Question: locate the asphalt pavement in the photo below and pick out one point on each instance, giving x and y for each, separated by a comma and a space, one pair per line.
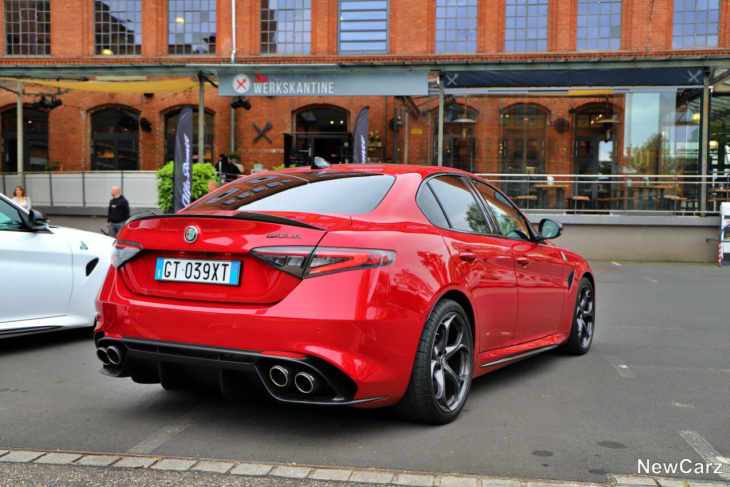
646, 406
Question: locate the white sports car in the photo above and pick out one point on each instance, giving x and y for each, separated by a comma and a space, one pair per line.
49, 276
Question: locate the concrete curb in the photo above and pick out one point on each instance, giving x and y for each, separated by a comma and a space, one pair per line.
343, 475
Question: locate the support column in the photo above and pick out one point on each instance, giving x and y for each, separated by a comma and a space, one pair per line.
20, 132
440, 144
201, 120
704, 136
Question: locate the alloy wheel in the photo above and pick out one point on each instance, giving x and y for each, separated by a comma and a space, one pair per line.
584, 316
451, 362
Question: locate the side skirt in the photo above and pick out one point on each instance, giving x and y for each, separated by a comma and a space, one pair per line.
495, 359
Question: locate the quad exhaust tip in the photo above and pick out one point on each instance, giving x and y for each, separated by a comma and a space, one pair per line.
103, 355
279, 376
306, 383
114, 355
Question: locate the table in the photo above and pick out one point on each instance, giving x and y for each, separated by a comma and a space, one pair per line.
645, 196
551, 195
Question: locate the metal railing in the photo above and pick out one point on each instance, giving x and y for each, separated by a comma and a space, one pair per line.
616, 194
84, 188
569, 193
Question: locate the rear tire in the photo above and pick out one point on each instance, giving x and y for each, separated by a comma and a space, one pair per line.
442, 371
584, 320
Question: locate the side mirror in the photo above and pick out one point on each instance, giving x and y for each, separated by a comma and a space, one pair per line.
37, 220
549, 229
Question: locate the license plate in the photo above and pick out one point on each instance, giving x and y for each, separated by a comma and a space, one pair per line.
227, 272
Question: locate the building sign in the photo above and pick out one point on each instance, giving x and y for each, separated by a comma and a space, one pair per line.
386, 83
684, 76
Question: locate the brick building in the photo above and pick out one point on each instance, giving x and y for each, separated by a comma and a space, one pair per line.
610, 87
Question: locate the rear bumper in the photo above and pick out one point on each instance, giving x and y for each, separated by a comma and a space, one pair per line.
361, 348
150, 361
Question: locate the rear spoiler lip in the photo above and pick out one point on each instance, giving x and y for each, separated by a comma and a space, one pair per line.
249, 216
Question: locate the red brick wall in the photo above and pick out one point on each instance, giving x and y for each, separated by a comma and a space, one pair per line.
646, 31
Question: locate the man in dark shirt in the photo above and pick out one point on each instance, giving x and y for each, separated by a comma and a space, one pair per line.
228, 171
118, 211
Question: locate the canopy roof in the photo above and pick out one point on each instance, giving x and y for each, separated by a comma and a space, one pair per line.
172, 85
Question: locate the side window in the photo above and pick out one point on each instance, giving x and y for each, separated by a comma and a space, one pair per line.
462, 211
430, 207
9, 217
511, 222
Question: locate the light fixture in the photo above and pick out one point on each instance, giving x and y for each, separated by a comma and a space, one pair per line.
179, 20
612, 120
241, 102
107, 52
714, 144
465, 118
145, 124
44, 102
695, 117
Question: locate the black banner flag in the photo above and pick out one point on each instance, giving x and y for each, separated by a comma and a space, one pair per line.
182, 175
360, 142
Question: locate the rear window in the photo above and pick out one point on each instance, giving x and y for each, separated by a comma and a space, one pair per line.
310, 192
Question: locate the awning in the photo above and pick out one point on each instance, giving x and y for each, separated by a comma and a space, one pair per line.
568, 78
161, 86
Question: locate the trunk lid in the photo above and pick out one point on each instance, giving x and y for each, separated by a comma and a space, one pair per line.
220, 237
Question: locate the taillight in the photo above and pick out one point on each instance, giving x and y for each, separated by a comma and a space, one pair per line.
327, 260
124, 252
310, 261
292, 260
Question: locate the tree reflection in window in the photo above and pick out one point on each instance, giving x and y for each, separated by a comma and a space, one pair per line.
511, 222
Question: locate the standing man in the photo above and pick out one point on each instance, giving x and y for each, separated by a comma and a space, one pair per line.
118, 211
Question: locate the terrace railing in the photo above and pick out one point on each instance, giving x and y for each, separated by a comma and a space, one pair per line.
558, 193
616, 194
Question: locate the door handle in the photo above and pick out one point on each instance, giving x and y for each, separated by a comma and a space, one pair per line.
467, 255
523, 261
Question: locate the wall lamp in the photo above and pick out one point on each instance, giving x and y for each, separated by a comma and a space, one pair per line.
241, 103
145, 124
47, 104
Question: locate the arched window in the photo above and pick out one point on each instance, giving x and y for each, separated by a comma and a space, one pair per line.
35, 140
523, 129
460, 122
115, 140
319, 132
171, 126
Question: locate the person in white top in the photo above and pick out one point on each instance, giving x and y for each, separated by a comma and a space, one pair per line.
20, 198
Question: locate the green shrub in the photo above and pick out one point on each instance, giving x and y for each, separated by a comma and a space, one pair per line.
282, 166
202, 173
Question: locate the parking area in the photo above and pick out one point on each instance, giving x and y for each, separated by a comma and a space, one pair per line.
653, 390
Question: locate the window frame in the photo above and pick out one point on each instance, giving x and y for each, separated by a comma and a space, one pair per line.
117, 48
340, 21
44, 35
526, 29
174, 48
682, 38
465, 31
609, 38
265, 47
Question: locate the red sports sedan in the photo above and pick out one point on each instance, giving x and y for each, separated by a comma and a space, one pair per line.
364, 285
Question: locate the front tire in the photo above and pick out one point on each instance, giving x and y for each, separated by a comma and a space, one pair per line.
584, 320
442, 371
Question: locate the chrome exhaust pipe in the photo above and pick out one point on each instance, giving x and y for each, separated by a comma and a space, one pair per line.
306, 383
279, 376
114, 355
102, 355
